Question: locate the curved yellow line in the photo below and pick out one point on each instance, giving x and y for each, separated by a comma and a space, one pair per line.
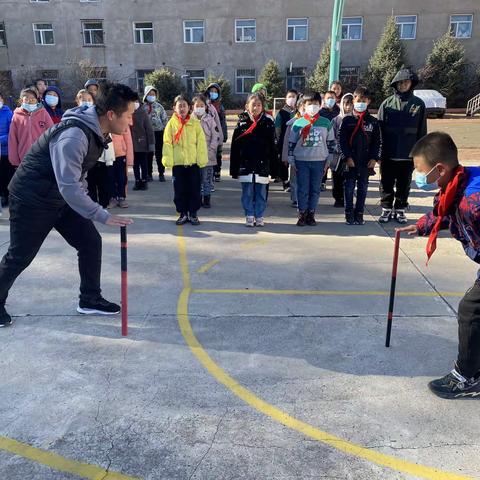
275, 413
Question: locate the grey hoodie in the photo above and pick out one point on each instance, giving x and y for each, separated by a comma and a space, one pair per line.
67, 151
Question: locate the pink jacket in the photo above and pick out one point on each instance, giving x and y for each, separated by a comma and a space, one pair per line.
24, 131
123, 146
213, 136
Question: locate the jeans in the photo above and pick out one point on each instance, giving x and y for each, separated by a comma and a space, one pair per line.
158, 155
206, 174
140, 166
361, 183
309, 179
395, 181
186, 186
28, 229
118, 178
254, 199
98, 184
468, 362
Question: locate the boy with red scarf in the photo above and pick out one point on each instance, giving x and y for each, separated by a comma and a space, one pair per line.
311, 140
457, 208
360, 146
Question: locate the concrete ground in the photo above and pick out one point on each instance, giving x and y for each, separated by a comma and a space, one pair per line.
252, 353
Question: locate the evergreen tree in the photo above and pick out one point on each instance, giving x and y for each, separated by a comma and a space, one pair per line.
387, 59
318, 80
167, 83
271, 77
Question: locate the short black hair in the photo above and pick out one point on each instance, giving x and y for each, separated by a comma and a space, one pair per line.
436, 147
201, 97
362, 91
256, 96
312, 96
292, 90
331, 92
181, 98
115, 97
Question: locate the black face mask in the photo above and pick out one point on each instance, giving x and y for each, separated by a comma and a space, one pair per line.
405, 95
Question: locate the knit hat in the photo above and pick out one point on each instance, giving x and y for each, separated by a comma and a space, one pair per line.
258, 86
91, 81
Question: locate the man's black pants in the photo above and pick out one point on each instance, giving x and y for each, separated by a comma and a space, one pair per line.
28, 229
395, 181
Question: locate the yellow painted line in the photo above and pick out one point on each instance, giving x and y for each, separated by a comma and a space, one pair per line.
275, 413
323, 292
57, 462
205, 268
253, 243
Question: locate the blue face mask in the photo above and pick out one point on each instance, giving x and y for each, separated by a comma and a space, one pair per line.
360, 107
213, 96
421, 179
29, 107
86, 104
330, 102
51, 100
151, 98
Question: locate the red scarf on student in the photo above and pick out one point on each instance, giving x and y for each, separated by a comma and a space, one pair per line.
183, 122
311, 120
358, 126
252, 127
445, 203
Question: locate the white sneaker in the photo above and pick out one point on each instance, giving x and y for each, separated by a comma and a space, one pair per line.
249, 221
385, 216
260, 222
400, 216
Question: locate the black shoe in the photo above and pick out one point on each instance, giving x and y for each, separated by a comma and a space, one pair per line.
161, 178
137, 185
182, 219
349, 219
194, 220
149, 178
339, 204
359, 219
217, 178
143, 185
100, 306
286, 186
310, 219
5, 318
455, 386
302, 217
206, 201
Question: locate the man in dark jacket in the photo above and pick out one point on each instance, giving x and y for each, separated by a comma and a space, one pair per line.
48, 192
456, 208
403, 121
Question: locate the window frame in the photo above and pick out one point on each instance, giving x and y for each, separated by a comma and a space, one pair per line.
242, 28
407, 23
189, 79
243, 77
295, 27
85, 44
191, 29
458, 22
349, 25
290, 78
42, 35
4, 30
142, 30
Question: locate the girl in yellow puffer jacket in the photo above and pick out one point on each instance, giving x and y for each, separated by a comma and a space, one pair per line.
185, 151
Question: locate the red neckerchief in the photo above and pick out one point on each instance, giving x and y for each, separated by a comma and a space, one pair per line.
311, 120
445, 202
252, 127
150, 106
183, 122
358, 126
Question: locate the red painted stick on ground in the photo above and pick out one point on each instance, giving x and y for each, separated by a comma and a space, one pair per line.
123, 250
392, 287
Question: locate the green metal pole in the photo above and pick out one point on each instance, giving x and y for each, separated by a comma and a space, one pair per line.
336, 39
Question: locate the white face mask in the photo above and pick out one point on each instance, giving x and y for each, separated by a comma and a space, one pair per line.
137, 105
199, 111
51, 100
330, 102
86, 104
312, 110
360, 107
29, 107
291, 102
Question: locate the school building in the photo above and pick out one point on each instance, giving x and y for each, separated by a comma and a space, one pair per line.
122, 40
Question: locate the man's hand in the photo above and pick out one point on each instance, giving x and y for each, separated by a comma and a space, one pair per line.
116, 221
372, 164
350, 162
410, 230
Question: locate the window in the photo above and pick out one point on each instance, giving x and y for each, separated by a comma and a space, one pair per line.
195, 77
350, 77
3, 37
99, 73
93, 32
89, 1
407, 26
245, 80
141, 74
193, 31
297, 29
296, 78
143, 32
50, 76
352, 28
461, 26
39, 1
245, 31
43, 33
